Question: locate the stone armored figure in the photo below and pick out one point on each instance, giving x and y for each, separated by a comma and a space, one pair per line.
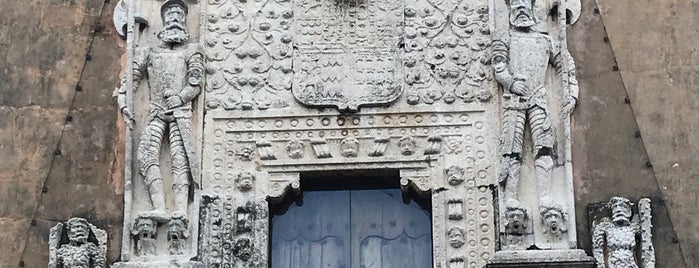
175, 73
521, 69
619, 236
78, 252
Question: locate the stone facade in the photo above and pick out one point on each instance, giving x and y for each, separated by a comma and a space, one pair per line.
305, 148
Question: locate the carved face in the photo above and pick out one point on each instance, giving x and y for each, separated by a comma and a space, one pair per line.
244, 181
349, 147
455, 175
294, 149
621, 210
174, 25
456, 237
553, 220
521, 13
406, 145
177, 228
516, 220
78, 230
146, 228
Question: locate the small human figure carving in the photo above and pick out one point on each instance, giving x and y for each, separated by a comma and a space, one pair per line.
521, 69
175, 72
79, 252
614, 243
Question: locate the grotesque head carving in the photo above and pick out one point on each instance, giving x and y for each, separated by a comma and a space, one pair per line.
174, 15
455, 175
349, 147
515, 218
244, 181
621, 210
294, 148
78, 230
456, 237
406, 145
553, 218
145, 228
521, 13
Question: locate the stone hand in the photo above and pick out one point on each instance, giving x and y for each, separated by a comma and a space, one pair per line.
568, 105
519, 88
174, 102
128, 117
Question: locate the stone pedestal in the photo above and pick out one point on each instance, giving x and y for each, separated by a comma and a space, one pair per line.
575, 258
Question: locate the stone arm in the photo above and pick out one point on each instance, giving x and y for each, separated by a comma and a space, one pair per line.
599, 238
195, 76
98, 260
563, 63
140, 62
509, 82
647, 249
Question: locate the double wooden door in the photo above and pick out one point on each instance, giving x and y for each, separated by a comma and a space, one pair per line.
352, 229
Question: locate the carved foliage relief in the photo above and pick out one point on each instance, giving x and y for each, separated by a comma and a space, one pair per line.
447, 51
345, 53
248, 47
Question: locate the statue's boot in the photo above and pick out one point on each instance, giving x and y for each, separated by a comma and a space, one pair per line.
544, 170
181, 192
154, 183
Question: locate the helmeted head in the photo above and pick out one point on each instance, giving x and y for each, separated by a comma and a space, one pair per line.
621, 210
78, 230
521, 13
174, 15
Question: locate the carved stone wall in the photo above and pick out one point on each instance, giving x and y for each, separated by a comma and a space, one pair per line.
44, 55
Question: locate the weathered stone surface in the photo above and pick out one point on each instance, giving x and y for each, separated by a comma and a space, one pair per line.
13, 240
660, 76
608, 159
42, 54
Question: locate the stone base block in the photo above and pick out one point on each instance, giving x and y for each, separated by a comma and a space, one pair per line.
159, 264
574, 258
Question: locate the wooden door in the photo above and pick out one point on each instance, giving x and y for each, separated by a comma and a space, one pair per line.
352, 229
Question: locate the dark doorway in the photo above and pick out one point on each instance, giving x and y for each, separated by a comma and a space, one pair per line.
360, 222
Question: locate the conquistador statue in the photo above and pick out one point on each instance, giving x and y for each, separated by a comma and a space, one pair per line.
174, 70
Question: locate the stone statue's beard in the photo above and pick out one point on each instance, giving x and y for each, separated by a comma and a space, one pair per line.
174, 34
521, 18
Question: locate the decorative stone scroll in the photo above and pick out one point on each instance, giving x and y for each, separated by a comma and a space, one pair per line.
77, 243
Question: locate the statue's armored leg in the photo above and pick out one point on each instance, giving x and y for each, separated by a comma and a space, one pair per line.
542, 137
512, 140
180, 169
552, 214
148, 157
511, 160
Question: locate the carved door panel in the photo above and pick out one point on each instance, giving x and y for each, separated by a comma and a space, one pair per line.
352, 229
